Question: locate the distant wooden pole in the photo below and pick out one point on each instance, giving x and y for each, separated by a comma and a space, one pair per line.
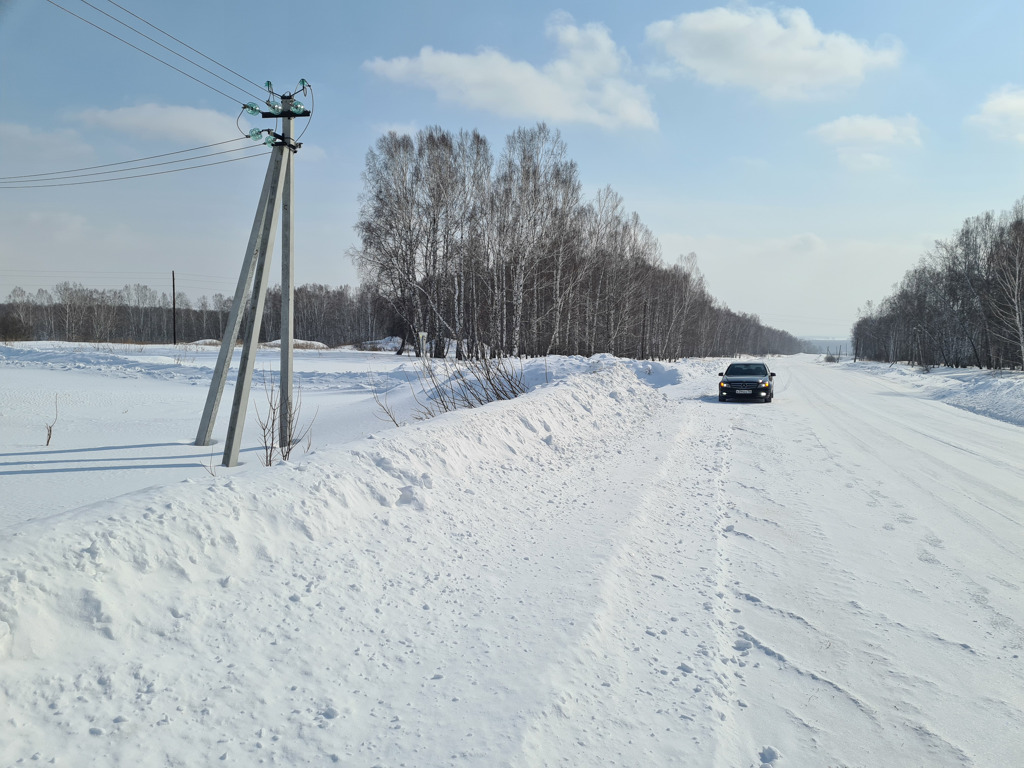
174, 309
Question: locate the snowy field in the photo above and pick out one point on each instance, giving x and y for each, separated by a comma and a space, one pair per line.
612, 570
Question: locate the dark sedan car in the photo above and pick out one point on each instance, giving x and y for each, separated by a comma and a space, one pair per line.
747, 380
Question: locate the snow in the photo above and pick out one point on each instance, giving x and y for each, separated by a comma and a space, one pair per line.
612, 569
999, 394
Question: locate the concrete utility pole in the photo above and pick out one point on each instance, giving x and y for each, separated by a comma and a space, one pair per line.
276, 198
285, 416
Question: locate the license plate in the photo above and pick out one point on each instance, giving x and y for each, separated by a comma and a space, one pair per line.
744, 391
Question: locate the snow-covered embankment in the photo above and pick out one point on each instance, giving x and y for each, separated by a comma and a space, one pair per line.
372, 601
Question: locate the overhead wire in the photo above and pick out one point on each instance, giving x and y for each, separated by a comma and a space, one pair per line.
147, 53
52, 177
312, 102
271, 93
123, 162
38, 185
239, 118
40, 180
180, 42
169, 50
133, 274
116, 282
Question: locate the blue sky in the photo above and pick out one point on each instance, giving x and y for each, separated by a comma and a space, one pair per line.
809, 154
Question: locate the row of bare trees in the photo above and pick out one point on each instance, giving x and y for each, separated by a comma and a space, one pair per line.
502, 257
139, 315
136, 313
962, 305
506, 257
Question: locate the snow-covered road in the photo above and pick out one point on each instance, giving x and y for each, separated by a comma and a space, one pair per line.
598, 573
877, 546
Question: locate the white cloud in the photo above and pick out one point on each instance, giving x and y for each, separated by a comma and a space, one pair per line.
40, 152
584, 85
1002, 114
58, 227
862, 160
869, 129
860, 140
780, 55
154, 121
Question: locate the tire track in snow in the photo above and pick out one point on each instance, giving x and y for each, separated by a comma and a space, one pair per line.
737, 658
643, 658
851, 606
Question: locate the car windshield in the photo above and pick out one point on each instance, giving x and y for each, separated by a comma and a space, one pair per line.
746, 369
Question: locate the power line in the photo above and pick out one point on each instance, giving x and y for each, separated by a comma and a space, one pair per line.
102, 272
108, 279
117, 284
36, 185
169, 50
147, 53
123, 162
4, 184
222, 66
312, 104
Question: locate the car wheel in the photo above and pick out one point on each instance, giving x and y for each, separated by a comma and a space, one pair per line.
721, 398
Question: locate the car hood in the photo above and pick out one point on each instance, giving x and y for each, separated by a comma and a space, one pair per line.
744, 379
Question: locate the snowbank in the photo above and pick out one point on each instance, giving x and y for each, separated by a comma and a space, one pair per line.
323, 610
996, 394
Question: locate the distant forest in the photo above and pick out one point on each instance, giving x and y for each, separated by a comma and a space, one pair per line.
139, 315
486, 257
962, 305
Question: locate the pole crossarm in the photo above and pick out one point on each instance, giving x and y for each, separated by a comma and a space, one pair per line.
275, 116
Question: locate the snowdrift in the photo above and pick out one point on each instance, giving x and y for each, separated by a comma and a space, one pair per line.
614, 569
996, 394
310, 612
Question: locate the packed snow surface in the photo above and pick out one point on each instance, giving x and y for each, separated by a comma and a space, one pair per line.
613, 569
